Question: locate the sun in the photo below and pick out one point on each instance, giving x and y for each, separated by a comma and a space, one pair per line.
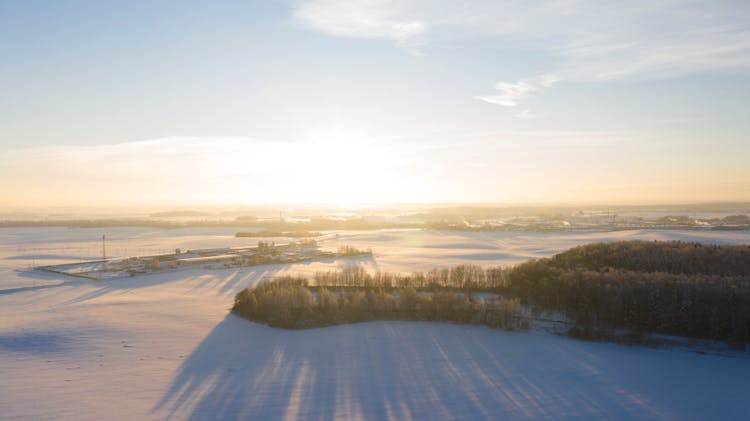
343, 167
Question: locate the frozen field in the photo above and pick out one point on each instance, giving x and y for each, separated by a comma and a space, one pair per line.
164, 345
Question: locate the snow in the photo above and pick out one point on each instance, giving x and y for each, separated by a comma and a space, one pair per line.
165, 346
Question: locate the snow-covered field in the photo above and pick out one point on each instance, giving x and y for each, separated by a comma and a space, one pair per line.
164, 345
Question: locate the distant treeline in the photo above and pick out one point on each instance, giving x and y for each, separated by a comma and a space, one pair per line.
562, 223
290, 302
320, 224
248, 222
352, 251
92, 223
460, 213
268, 233
685, 289
437, 221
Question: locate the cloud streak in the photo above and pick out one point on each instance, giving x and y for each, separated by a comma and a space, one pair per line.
376, 19
203, 168
513, 94
196, 169
587, 39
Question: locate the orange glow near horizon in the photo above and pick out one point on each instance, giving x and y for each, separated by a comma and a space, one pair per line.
335, 167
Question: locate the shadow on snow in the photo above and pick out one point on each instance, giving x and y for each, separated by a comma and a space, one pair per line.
403, 370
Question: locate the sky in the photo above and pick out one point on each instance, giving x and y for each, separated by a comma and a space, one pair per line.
183, 103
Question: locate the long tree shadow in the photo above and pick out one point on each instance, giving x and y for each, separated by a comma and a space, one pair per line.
409, 370
239, 370
41, 280
222, 282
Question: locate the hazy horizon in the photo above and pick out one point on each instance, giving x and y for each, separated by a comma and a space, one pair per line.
373, 103
395, 211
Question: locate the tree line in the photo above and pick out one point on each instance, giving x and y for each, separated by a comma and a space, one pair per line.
290, 302
473, 278
676, 288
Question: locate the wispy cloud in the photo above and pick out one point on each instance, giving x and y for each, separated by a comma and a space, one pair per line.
586, 39
513, 94
195, 169
171, 168
361, 18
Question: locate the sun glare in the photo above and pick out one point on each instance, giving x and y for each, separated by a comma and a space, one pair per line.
341, 167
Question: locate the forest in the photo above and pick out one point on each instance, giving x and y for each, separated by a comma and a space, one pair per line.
675, 288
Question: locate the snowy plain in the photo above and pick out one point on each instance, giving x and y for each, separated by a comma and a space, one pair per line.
165, 346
